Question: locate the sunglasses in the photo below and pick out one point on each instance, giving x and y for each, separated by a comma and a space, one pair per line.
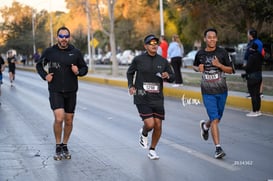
153, 43
63, 36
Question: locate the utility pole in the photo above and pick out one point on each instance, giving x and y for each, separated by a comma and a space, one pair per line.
161, 17
51, 26
33, 32
91, 67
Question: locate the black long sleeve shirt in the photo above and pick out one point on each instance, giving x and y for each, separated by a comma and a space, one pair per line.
59, 63
147, 81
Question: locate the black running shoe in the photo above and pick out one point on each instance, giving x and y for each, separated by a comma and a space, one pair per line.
66, 153
204, 133
219, 153
58, 155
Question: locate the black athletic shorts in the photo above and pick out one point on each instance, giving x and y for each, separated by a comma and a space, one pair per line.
66, 100
147, 111
12, 70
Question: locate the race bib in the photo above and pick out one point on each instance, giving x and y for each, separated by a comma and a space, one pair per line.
211, 77
151, 87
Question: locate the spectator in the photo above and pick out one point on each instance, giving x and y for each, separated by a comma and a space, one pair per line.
164, 46
36, 57
254, 79
175, 53
252, 36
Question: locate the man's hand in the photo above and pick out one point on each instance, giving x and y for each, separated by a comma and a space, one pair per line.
132, 90
165, 75
49, 77
201, 68
215, 62
75, 69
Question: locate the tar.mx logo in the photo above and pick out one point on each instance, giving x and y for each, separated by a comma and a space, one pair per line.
189, 101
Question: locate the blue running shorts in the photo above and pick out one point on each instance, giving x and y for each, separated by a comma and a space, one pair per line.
215, 105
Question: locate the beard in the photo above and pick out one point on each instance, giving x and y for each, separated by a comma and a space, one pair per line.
63, 44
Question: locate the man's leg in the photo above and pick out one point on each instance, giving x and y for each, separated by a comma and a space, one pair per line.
156, 125
219, 153
10, 77
58, 124
215, 132
58, 127
156, 132
68, 126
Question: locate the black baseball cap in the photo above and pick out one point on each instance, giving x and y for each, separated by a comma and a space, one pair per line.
148, 38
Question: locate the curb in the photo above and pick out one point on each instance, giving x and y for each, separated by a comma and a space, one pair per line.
232, 101
190, 95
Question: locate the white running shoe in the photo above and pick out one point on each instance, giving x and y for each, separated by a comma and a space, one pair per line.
143, 140
152, 155
254, 114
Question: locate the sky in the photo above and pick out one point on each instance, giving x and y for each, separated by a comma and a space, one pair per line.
49, 5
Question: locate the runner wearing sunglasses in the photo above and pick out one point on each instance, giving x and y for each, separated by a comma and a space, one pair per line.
65, 64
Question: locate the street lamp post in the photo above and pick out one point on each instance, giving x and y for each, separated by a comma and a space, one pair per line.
161, 17
33, 32
51, 24
91, 67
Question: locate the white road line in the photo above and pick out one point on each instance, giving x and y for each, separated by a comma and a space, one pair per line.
200, 155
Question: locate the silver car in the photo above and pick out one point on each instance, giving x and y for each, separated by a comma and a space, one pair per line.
189, 58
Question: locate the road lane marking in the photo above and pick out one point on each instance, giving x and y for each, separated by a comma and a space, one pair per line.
200, 155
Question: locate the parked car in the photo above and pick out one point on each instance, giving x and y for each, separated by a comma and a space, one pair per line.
189, 58
106, 59
96, 58
240, 50
125, 57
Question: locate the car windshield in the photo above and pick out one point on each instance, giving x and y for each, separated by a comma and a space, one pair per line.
192, 53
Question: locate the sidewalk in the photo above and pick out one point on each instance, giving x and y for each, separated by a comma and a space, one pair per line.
187, 93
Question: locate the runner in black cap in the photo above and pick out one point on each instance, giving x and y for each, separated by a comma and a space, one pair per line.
151, 70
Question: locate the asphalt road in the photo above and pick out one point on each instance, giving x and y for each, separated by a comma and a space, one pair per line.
104, 141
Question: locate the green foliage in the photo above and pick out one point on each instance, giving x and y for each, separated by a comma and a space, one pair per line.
80, 39
18, 28
135, 19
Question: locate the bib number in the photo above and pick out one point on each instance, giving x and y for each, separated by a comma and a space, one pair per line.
211, 77
151, 87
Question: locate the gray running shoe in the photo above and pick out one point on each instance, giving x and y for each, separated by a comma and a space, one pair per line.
58, 155
66, 153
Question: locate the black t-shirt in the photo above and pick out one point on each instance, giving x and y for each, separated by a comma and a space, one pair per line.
11, 62
213, 78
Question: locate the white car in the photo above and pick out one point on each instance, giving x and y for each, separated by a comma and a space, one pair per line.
189, 58
126, 57
106, 59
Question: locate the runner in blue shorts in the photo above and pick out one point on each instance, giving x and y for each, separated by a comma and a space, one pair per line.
213, 62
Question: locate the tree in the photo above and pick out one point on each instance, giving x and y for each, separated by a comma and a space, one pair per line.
111, 5
18, 28
232, 18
